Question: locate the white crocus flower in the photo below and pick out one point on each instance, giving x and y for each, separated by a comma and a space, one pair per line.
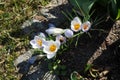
37, 42
76, 24
68, 33
51, 47
61, 38
42, 35
55, 31
86, 26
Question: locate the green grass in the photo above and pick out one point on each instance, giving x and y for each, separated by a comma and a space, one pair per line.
12, 42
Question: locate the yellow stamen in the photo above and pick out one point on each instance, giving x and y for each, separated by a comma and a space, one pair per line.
52, 48
85, 26
39, 42
76, 26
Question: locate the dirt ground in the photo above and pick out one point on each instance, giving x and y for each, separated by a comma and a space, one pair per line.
99, 47
101, 50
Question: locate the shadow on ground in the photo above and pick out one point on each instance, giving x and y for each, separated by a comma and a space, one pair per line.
91, 50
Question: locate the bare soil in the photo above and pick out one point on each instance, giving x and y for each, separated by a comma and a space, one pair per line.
101, 50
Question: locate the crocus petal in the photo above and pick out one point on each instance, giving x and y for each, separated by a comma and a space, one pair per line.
36, 38
49, 31
49, 56
57, 42
35, 46
51, 48
61, 38
37, 42
68, 33
45, 43
33, 43
77, 19
55, 31
47, 46
86, 26
42, 35
76, 24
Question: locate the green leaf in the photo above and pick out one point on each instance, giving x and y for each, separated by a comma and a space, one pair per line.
88, 67
118, 15
118, 7
76, 76
63, 67
50, 66
113, 8
84, 6
103, 3
55, 67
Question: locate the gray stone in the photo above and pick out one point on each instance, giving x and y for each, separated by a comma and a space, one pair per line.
23, 57
32, 28
33, 67
53, 11
39, 73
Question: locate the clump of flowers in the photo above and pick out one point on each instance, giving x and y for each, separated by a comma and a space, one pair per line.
50, 46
